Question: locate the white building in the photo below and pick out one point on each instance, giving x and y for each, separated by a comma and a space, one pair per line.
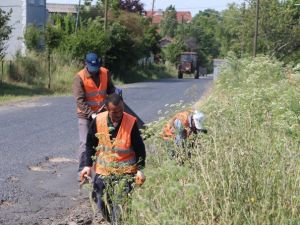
24, 13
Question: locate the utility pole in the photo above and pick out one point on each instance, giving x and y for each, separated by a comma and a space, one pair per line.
105, 25
256, 29
105, 15
77, 16
153, 1
243, 35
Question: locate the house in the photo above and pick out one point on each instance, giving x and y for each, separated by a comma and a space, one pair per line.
24, 13
54, 8
182, 16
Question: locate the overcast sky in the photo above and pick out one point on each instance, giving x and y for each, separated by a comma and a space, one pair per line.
181, 5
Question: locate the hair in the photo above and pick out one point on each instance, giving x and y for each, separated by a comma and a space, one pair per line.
113, 98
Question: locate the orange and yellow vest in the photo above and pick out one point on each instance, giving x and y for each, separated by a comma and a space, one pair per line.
115, 156
169, 130
94, 95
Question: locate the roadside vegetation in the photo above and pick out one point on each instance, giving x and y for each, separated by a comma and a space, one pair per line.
246, 169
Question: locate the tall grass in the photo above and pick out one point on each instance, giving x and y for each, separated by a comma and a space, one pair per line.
33, 69
246, 170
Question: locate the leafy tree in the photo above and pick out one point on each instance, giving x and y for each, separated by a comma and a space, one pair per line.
5, 30
33, 38
121, 54
172, 51
278, 30
88, 38
66, 23
204, 27
128, 38
53, 37
151, 40
168, 25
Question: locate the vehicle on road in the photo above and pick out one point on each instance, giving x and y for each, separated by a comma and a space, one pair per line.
189, 64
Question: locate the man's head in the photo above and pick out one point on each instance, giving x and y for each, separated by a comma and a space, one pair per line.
93, 63
115, 106
197, 120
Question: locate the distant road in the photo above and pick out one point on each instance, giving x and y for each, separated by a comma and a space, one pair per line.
32, 188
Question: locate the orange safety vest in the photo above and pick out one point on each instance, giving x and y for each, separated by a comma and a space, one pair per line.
115, 156
169, 130
94, 95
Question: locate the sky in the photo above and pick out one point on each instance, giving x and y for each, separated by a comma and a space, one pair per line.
181, 5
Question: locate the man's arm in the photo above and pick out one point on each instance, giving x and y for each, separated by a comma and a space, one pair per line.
79, 95
138, 146
91, 143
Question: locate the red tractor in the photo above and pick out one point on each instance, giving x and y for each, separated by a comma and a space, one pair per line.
189, 64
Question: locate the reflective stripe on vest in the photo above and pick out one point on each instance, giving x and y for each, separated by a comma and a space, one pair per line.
115, 156
94, 95
169, 130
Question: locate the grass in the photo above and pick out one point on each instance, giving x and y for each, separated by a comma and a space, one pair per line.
246, 170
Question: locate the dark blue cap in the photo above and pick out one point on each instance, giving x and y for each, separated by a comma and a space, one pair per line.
92, 62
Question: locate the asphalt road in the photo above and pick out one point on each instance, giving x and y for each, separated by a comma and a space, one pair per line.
39, 139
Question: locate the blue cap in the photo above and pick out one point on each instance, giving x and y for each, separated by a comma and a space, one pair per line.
92, 62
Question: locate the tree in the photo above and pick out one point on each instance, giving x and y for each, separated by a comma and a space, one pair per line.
278, 30
168, 25
33, 38
88, 38
172, 51
53, 37
5, 30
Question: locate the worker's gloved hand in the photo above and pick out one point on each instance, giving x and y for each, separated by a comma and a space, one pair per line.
93, 116
119, 91
140, 178
85, 172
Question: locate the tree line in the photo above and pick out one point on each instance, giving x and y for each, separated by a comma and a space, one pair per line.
213, 34
131, 36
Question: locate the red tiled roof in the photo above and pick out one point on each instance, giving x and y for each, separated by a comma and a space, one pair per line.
182, 16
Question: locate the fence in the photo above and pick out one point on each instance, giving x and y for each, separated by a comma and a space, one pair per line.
4, 68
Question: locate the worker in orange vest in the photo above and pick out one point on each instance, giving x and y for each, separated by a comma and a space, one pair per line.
115, 144
91, 85
181, 126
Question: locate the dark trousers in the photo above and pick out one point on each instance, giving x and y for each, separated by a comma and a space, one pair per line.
112, 195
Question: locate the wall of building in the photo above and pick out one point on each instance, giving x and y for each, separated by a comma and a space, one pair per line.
24, 12
36, 12
17, 21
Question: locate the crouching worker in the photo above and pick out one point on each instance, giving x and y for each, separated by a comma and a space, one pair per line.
115, 144
179, 128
